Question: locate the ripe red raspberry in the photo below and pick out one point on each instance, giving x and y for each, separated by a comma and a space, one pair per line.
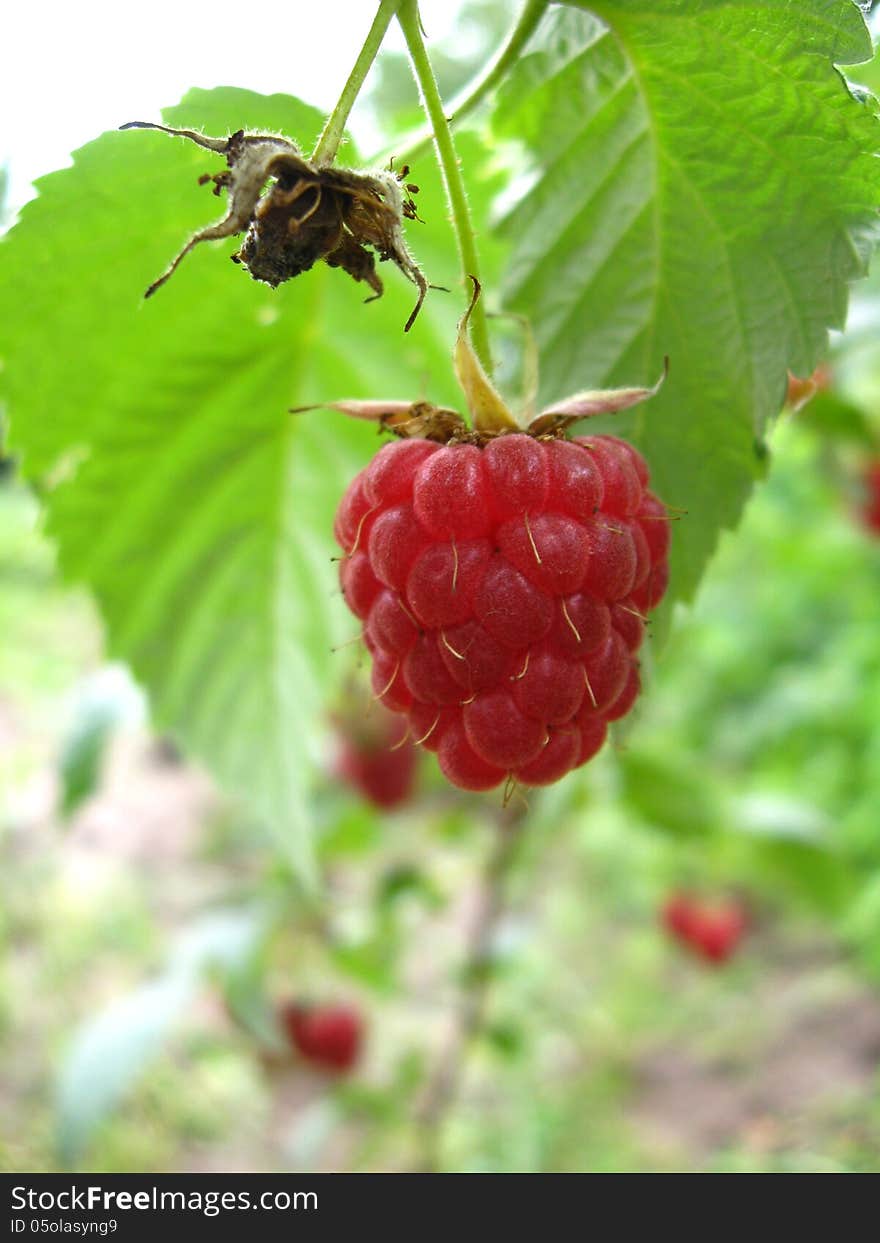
328, 1037
711, 931
376, 756
503, 591
870, 510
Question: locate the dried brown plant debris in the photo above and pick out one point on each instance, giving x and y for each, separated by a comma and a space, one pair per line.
294, 213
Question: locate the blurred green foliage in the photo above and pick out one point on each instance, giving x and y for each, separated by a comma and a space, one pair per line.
750, 769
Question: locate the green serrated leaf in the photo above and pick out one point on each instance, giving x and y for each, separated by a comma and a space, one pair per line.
177, 485
703, 180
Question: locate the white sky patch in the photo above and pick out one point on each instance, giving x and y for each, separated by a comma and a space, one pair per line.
72, 71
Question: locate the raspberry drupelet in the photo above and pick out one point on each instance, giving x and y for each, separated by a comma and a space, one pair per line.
503, 592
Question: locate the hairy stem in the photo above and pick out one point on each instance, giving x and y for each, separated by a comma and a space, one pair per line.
331, 137
475, 92
467, 1021
408, 16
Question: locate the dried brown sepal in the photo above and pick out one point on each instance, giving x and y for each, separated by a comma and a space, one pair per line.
801, 390
408, 419
490, 415
308, 213
561, 414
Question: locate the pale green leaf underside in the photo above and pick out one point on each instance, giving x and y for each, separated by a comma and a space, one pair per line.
179, 489
110, 1051
702, 183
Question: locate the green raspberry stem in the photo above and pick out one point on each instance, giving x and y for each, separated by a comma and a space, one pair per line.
328, 144
408, 16
475, 92
444, 1078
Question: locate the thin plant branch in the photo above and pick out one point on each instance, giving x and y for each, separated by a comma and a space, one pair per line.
408, 17
328, 144
468, 1018
473, 94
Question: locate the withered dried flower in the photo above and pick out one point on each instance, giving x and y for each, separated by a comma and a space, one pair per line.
307, 213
